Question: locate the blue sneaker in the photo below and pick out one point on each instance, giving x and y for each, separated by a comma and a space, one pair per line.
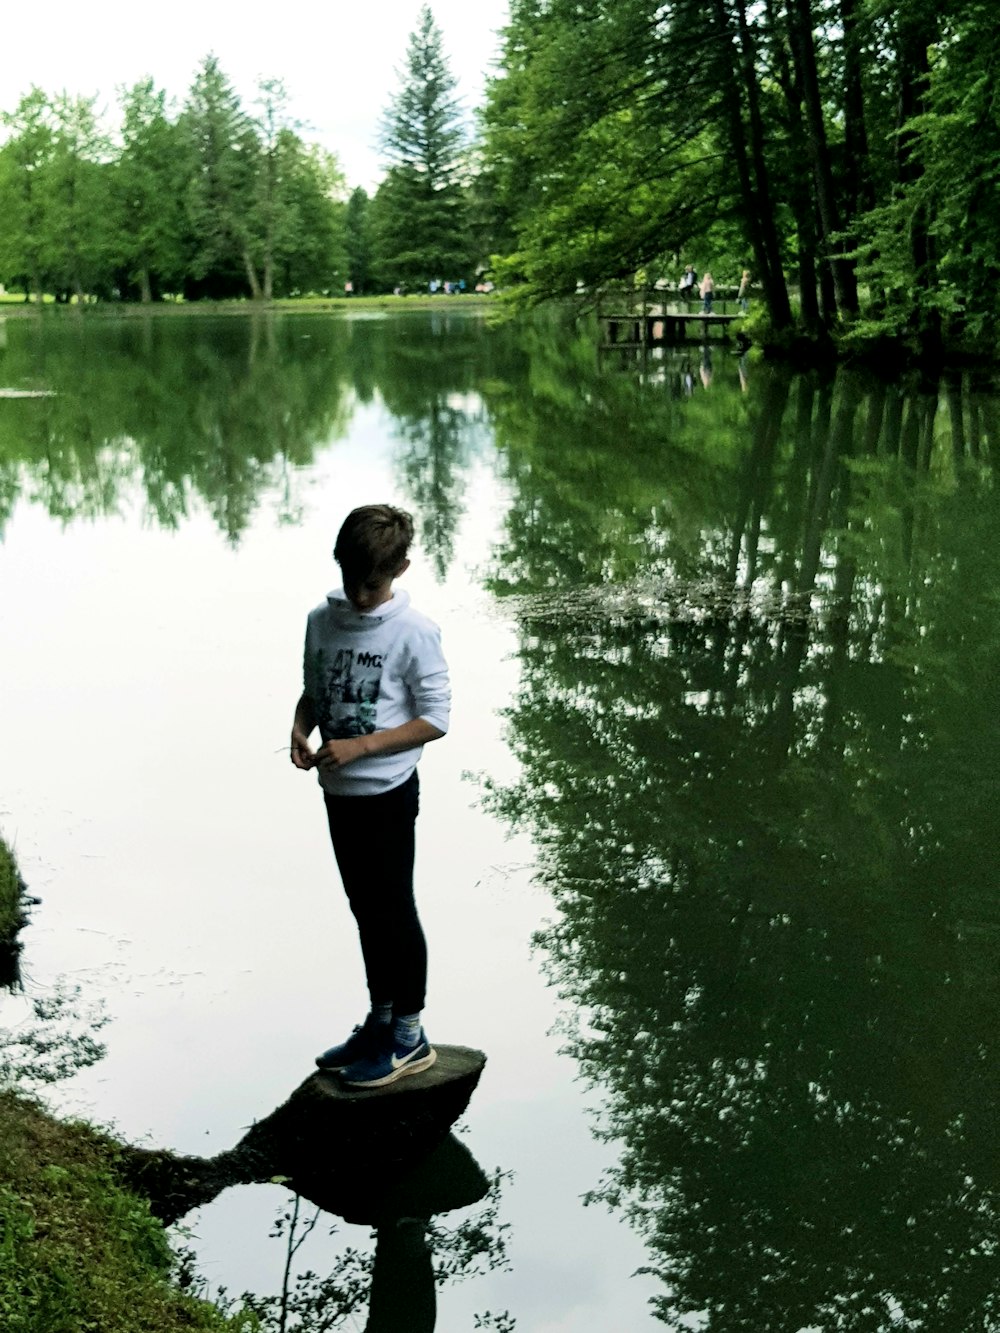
360, 1043
388, 1061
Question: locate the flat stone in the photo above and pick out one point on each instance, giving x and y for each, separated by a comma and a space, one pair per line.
366, 1154
453, 1064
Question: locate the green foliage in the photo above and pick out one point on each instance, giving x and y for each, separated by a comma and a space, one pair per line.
215, 202
76, 1250
312, 1303
358, 240
420, 223
13, 915
602, 160
831, 142
149, 188
55, 1042
756, 752
11, 896
77, 226
931, 252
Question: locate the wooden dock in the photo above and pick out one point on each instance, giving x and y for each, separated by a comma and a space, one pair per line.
654, 318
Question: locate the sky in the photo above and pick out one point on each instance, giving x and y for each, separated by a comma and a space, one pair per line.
338, 59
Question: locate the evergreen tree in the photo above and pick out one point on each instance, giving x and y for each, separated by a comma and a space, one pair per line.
309, 251
24, 160
222, 151
148, 187
421, 217
359, 240
77, 227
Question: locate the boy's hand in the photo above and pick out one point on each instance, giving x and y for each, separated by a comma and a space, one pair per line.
302, 755
335, 754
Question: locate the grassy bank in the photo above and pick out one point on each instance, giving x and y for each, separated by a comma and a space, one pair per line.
16, 307
77, 1250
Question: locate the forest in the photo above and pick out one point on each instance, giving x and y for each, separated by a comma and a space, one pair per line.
846, 152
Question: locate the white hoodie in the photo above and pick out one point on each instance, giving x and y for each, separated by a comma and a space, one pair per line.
367, 671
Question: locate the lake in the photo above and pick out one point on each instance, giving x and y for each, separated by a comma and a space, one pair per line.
707, 864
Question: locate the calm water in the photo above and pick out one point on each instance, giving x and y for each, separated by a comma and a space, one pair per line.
708, 863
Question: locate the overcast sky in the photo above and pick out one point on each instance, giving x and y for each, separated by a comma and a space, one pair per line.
338, 59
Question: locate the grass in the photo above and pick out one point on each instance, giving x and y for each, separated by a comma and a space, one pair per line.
78, 1251
14, 304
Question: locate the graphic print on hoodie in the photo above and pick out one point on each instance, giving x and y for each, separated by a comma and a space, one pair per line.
368, 671
349, 700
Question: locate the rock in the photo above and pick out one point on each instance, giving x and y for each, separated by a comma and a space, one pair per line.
366, 1155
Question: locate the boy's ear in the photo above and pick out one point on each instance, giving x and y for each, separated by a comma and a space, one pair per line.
402, 569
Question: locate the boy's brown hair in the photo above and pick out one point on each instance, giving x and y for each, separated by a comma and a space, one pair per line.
373, 541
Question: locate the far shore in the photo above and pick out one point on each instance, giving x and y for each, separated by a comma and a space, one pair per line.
305, 305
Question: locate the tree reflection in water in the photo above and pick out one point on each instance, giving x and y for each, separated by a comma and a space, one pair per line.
224, 411
757, 724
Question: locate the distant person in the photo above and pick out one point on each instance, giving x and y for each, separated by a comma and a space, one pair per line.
687, 284
707, 290
348, 288
375, 683
743, 295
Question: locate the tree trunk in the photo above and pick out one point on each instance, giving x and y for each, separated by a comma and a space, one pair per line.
801, 198
145, 288
800, 26
916, 35
858, 189
752, 169
252, 279
811, 317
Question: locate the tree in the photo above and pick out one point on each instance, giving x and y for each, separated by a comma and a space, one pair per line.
148, 186
420, 214
222, 163
77, 221
772, 925
358, 240
309, 244
295, 225
620, 130
24, 160
833, 135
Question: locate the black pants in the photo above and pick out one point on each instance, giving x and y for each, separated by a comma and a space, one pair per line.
373, 840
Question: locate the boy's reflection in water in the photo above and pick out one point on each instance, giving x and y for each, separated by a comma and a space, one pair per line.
403, 1296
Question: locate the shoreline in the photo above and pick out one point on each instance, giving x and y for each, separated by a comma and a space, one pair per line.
473, 301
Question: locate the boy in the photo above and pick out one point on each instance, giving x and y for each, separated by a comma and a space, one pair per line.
376, 685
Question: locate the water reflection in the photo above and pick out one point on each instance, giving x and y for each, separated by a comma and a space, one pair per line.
756, 720
757, 729
414, 1250
387, 1160
225, 410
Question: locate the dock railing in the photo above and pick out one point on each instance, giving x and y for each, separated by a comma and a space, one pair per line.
643, 316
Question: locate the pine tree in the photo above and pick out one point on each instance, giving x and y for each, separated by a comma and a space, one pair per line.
223, 153
149, 192
420, 217
358, 240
